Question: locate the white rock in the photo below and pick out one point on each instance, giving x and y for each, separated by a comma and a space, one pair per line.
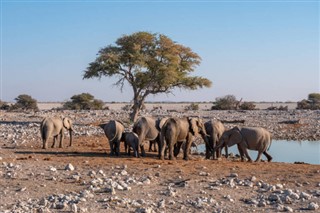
69, 167
313, 206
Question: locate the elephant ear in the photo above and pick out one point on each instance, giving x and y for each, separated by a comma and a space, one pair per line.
193, 126
67, 123
235, 137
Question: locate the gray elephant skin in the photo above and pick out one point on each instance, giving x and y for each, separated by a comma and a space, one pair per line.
148, 129
253, 138
54, 127
214, 130
131, 139
177, 130
113, 131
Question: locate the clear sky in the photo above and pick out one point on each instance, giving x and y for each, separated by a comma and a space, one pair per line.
255, 50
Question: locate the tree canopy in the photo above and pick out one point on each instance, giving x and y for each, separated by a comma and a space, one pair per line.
25, 102
150, 64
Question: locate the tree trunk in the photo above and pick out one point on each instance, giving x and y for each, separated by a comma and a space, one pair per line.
134, 113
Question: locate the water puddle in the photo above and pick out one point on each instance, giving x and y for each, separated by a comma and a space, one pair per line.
286, 151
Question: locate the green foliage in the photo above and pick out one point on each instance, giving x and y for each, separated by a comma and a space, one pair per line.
150, 64
25, 102
84, 101
228, 102
312, 103
248, 106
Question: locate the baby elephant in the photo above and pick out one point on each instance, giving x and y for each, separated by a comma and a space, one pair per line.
53, 127
131, 139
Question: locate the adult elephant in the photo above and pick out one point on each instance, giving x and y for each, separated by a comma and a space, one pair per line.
214, 130
148, 129
253, 138
177, 130
113, 131
54, 127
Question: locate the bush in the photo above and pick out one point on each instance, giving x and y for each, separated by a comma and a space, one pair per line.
312, 103
84, 101
25, 102
248, 106
192, 106
227, 102
4, 105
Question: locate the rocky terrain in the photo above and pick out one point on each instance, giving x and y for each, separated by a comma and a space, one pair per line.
84, 178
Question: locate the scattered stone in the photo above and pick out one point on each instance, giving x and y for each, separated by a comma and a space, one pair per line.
69, 167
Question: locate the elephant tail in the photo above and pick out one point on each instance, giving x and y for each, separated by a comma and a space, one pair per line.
44, 133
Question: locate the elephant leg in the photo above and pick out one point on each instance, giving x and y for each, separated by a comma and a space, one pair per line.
177, 148
143, 152
111, 148
150, 146
226, 150
259, 156
187, 148
268, 156
163, 148
117, 147
245, 151
208, 153
171, 154
61, 138
241, 153
54, 141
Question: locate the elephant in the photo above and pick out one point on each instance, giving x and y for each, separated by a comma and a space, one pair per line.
253, 138
131, 139
148, 129
214, 129
177, 130
54, 127
113, 131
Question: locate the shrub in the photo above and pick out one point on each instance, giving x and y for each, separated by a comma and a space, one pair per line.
248, 106
313, 102
192, 106
227, 102
25, 102
84, 101
4, 105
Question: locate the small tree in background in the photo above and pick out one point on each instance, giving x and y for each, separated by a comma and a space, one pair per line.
227, 102
192, 106
84, 101
25, 102
313, 102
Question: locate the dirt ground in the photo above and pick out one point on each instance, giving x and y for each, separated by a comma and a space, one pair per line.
31, 175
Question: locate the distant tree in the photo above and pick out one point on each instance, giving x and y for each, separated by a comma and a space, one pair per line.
25, 102
313, 102
150, 64
83, 101
227, 102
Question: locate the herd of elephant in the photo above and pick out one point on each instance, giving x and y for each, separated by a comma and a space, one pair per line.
169, 134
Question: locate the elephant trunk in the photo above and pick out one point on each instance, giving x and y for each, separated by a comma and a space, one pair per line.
205, 137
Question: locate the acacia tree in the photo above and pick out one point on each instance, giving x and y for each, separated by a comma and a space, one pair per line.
150, 64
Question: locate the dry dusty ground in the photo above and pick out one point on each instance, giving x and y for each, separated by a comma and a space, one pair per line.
84, 178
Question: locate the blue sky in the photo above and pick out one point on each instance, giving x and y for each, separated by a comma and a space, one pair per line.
255, 50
